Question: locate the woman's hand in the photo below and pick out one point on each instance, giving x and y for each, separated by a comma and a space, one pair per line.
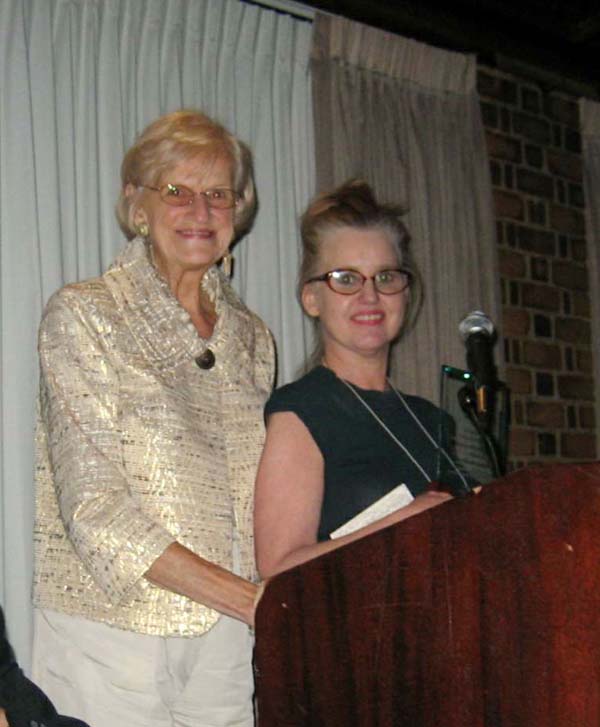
180, 570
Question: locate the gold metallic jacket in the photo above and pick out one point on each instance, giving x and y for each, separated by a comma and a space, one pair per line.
138, 447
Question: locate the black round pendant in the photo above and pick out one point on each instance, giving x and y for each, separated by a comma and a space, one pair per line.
206, 360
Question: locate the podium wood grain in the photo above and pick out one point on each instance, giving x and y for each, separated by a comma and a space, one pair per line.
483, 612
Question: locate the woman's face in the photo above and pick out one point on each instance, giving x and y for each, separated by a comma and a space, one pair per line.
194, 237
366, 322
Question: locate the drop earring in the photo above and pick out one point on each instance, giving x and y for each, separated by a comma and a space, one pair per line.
227, 264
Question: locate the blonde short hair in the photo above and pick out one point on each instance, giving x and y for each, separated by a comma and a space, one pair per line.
174, 138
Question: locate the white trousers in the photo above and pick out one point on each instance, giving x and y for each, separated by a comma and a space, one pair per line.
115, 678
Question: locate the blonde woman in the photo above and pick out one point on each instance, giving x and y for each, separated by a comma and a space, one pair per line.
153, 380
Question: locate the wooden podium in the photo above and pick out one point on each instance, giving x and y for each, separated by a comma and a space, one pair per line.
482, 612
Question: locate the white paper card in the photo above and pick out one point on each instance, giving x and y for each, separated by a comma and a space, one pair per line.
395, 499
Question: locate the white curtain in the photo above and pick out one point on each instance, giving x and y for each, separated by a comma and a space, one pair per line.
589, 112
78, 80
405, 116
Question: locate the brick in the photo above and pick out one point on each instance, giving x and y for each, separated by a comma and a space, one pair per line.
496, 87
566, 165
507, 204
509, 177
563, 246
547, 414
516, 350
530, 100
546, 444
573, 330
522, 443
534, 156
578, 445
561, 109
543, 297
542, 326
557, 137
536, 212
587, 417
581, 305
511, 264
511, 234
537, 241
518, 380
539, 269
503, 147
517, 412
569, 360
515, 322
566, 220
576, 387
536, 183
579, 250
585, 361
576, 195
532, 128
573, 141
544, 384
496, 174
542, 355
570, 275
489, 114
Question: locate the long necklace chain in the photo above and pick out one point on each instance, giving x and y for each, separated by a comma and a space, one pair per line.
395, 438
428, 435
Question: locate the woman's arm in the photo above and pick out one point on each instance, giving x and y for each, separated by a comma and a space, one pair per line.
289, 495
180, 570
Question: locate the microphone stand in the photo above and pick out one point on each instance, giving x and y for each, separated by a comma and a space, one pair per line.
467, 398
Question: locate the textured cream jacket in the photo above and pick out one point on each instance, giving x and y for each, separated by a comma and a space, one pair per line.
137, 446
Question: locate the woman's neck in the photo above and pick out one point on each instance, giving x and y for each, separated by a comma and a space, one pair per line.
364, 372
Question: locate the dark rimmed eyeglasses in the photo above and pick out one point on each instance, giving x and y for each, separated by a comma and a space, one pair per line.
348, 282
178, 195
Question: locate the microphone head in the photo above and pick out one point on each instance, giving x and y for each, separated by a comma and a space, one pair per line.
476, 322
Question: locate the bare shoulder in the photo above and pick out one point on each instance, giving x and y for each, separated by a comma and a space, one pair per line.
289, 436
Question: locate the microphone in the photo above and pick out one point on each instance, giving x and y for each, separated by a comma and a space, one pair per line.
478, 333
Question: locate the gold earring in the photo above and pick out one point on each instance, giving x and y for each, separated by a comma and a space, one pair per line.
227, 264
142, 229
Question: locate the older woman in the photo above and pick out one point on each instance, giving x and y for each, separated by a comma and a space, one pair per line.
153, 380
343, 436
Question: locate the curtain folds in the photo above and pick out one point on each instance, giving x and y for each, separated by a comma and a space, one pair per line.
405, 116
78, 80
589, 112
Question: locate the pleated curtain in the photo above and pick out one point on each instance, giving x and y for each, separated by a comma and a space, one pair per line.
589, 112
405, 117
78, 80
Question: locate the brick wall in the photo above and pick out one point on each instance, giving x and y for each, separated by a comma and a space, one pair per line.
536, 166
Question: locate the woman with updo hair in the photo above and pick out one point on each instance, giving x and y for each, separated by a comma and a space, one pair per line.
153, 381
343, 436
